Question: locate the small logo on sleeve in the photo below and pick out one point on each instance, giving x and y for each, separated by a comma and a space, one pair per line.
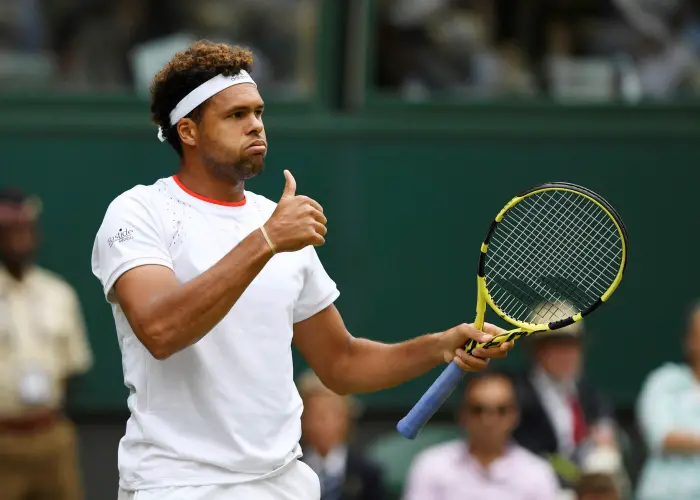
121, 236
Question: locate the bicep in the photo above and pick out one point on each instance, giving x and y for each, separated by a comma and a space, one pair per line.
322, 339
137, 291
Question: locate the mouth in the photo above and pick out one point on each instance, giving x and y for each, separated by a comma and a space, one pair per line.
257, 147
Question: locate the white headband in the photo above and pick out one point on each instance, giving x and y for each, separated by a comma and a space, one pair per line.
206, 90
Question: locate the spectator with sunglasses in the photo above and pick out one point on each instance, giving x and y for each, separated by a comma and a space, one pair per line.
492, 465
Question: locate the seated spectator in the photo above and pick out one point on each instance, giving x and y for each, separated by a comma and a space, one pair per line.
597, 486
487, 465
563, 418
344, 471
669, 418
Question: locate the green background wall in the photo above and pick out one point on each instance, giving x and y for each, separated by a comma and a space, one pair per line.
409, 192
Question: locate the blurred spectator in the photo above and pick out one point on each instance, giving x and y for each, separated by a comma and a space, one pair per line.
563, 417
669, 417
42, 344
344, 471
95, 41
596, 486
571, 49
487, 465
446, 47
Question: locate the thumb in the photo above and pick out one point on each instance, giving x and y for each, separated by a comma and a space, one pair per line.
290, 186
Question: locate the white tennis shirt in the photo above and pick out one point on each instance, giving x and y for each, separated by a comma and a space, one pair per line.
224, 410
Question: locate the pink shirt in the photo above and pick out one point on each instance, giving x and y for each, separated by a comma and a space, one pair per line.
448, 472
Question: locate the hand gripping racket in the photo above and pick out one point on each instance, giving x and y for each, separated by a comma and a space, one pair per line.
553, 255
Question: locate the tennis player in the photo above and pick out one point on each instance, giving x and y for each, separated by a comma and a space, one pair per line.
210, 285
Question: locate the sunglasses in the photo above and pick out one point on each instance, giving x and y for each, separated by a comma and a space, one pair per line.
500, 410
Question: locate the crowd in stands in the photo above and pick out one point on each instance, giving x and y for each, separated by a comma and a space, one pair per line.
565, 49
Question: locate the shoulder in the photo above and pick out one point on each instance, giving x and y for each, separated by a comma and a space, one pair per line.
49, 280
668, 374
526, 457
140, 208
138, 196
439, 455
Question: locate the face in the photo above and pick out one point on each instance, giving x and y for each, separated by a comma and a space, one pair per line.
18, 242
230, 137
489, 412
692, 339
325, 421
561, 358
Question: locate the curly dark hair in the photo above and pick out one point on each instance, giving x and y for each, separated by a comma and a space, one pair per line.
186, 71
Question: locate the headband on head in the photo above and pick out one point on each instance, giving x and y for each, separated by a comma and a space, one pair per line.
206, 90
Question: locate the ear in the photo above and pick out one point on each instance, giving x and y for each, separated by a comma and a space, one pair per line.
188, 131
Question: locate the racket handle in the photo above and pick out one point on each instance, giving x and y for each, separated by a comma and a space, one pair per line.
432, 400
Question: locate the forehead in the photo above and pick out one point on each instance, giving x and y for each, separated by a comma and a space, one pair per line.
558, 343
243, 95
491, 391
14, 217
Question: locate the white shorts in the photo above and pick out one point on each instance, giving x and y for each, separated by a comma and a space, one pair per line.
298, 482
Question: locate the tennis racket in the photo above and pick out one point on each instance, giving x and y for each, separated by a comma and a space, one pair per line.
553, 255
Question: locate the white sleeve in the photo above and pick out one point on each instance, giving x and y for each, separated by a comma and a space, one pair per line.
319, 289
130, 236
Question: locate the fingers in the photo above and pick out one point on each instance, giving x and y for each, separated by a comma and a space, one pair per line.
469, 363
314, 204
290, 186
471, 333
492, 329
319, 216
320, 228
495, 352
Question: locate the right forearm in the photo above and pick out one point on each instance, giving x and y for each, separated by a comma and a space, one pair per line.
183, 316
681, 442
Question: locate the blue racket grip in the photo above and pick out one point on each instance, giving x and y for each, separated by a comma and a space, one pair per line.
432, 400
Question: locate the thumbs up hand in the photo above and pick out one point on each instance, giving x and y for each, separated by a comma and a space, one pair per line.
297, 222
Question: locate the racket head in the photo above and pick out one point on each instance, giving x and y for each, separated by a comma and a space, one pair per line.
552, 255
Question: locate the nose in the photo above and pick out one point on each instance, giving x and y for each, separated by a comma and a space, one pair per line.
256, 125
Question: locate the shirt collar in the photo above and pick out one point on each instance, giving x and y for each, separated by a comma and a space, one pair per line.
498, 471
543, 381
7, 280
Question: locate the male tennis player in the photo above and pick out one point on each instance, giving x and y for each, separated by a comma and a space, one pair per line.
210, 284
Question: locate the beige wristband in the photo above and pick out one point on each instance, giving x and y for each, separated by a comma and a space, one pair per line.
267, 238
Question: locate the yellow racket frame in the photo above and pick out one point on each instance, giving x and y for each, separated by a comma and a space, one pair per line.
525, 329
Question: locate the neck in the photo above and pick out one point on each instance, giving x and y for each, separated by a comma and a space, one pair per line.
559, 380
695, 368
199, 181
16, 270
486, 454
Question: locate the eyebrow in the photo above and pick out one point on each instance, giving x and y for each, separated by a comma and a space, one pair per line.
236, 109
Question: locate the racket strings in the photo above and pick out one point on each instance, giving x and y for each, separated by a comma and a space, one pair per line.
549, 253
554, 253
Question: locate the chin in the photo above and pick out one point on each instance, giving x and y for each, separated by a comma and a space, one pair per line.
254, 167
251, 171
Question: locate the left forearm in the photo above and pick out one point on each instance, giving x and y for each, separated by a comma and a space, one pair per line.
373, 366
